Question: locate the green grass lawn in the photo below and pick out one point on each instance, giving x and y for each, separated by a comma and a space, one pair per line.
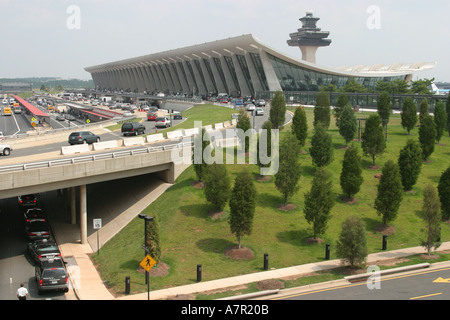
189, 236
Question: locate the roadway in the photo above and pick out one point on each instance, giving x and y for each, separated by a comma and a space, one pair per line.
425, 284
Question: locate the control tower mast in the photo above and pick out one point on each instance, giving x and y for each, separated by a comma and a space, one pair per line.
309, 38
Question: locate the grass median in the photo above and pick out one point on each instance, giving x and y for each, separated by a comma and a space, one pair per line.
190, 235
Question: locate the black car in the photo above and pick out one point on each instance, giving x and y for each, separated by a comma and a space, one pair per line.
37, 230
51, 275
34, 214
44, 250
177, 116
83, 137
133, 128
28, 200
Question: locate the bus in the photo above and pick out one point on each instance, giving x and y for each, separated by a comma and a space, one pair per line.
7, 111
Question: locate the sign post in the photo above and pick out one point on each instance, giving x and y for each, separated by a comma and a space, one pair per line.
98, 226
147, 264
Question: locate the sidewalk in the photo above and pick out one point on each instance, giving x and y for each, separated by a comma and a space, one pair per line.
89, 286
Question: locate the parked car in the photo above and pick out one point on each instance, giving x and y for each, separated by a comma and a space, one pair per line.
250, 107
151, 116
34, 214
43, 250
82, 137
2, 136
177, 116
259, 112
261, 103
28, 200
5, 149
162, 122
60, 117
69, 117
37, 230
51, 275
133, 128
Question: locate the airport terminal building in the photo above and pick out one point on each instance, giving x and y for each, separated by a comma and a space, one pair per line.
242, 66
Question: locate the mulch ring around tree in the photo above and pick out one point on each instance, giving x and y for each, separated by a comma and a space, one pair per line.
214, 215
287, 207
374, 167
235, 253
314, 240
197, 184
348, 200
159, 270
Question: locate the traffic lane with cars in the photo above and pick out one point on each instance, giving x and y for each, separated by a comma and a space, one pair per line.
16, 264
424, 285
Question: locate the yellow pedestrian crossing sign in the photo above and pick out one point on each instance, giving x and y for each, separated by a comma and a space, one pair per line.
148, 263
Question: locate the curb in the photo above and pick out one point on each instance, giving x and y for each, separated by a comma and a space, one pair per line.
252, 295
360, 277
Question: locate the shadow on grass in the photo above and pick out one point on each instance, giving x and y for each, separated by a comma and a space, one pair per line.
294, 237
200, 210
215, 245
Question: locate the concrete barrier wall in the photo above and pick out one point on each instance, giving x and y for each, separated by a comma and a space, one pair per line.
175, 134
155, 137
98, 146
79, 148
218, 126
133, 141
190, 132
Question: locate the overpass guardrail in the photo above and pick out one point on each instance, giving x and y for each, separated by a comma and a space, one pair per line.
92, 157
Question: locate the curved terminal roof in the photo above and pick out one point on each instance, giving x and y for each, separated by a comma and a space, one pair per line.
248, 43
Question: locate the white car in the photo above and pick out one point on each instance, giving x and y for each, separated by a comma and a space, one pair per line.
251, 107
5, 149
259, 112
2, 136
162, 122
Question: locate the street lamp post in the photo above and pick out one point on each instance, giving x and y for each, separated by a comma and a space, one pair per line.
146, 219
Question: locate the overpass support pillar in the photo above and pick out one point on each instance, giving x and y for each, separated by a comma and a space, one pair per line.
73, 206
83, 214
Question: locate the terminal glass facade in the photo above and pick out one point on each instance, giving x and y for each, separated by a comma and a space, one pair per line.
296, 78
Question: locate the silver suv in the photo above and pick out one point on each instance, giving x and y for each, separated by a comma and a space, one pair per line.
162, 122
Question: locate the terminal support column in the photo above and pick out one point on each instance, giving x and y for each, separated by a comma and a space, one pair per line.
73, 206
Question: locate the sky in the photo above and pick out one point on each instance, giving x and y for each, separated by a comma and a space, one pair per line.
59, 38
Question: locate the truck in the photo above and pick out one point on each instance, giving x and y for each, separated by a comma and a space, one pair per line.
5, 149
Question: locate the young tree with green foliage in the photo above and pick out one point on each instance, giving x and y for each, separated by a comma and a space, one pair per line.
242, 205
217, 186
410, 164
427, 136
353, 86
351, 247
424, 110
409, 114
431, 215
341, 102
444, 193
300, 126
267, 135
319, 201
322, 110
351, 174
440, 119
243, 123
348, 125
390, 192
373, 142
321, 150
447, 110
289, 170
201, 142
384, 107
277, 113
421, 86
153, 242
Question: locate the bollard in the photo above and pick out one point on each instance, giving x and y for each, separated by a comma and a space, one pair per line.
127, 285
327, 252
199, 273
266, 261
384, 242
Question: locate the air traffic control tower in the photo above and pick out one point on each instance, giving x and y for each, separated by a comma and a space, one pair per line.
309, 38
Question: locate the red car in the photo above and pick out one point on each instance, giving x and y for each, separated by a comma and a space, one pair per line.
151, 116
